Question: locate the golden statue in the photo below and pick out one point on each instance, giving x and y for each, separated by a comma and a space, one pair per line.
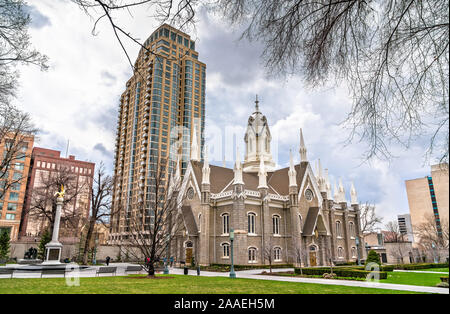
60, 194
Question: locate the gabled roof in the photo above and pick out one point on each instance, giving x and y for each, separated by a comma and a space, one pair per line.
189, 220
311, 221
220, 178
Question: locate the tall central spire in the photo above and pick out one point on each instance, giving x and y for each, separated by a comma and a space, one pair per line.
257, 104
257, 140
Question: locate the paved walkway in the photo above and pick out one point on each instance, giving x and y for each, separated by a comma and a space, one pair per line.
255, 274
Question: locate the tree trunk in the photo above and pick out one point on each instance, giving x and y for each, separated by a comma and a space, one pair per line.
88, 241
151, 270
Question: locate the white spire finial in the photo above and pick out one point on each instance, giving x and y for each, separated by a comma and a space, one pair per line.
238, 169
178, 170
328, 185
321, 180
353, 195
292, 173
303, 149
341, 192
195, 151
256, 104
262, 175
336, 192
206, 170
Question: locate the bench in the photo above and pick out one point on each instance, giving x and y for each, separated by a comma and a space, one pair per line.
7, 271
106, 270
53, 272
133, 269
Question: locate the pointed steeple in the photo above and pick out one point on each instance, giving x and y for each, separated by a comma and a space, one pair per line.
177, 177
328, 185
336, 192
256, 104
195, 150
206, 170
341, 192
353, 195
292, 173
303, 149
238, 169
321, 180
262, 175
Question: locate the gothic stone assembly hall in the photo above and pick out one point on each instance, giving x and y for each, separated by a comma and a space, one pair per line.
288, 213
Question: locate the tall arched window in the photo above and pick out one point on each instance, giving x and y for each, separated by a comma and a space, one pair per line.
351, 229
251, 223
225, 223
226, 250
276, 224
277, 254
353, 251
338, 229
252, 255
340, 252
199, 222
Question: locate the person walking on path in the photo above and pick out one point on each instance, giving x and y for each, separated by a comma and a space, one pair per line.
107, 260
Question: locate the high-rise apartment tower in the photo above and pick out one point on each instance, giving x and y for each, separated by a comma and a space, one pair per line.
164, 103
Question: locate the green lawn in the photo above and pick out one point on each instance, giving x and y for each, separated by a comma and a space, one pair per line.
415, 279
175, 285
441, 270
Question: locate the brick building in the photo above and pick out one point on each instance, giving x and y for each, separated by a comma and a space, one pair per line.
15, 178
45, 164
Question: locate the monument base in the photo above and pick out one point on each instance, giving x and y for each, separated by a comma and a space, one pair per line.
52, 253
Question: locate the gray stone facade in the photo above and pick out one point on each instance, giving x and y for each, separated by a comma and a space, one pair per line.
288, 213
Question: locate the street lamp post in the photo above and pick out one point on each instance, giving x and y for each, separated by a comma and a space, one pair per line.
232, 273
166, 260
357, 251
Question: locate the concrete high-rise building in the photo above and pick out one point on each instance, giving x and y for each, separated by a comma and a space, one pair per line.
428, 197
161, 108
14, 177
405, 227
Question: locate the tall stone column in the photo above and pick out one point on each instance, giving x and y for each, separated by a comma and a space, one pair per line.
54, 247
346, 231
332, 225
204, 226
266, 228
238, 223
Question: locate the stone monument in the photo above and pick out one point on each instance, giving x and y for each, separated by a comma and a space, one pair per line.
54, 247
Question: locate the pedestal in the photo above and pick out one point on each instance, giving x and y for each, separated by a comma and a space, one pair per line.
53, 253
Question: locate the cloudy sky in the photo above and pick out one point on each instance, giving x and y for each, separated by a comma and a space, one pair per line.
76, 100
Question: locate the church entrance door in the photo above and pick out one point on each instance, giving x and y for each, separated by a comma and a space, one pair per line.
188, 256
312, 259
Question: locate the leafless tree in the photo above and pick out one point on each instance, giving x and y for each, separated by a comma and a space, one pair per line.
369, 219
399, 241
100, 210
433, 240
394, 56
300, 256
15, 46
42, 204
16, 132
152, 225
269, 252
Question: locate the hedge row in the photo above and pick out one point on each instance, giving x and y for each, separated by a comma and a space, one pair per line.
340, 272
420, 266
247, 267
